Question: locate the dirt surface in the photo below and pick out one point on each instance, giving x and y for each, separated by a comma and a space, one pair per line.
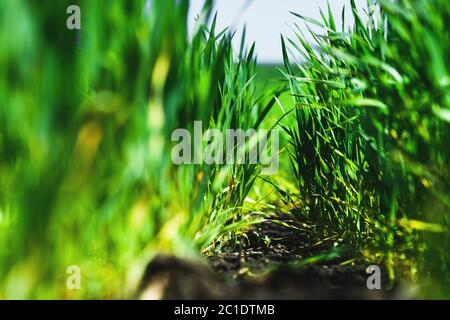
266, 265
265, 246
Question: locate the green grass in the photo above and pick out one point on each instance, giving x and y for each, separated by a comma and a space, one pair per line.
86, 176
85, 159
367, 140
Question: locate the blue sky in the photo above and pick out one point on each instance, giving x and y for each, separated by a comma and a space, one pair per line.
266, 19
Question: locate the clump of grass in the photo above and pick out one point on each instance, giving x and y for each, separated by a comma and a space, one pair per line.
370, 127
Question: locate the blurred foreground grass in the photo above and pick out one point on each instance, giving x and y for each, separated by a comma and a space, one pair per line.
85, 167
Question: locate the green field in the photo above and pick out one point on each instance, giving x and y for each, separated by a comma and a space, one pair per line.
87, 177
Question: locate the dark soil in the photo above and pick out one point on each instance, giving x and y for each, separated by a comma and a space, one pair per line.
266, 245
265, 265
